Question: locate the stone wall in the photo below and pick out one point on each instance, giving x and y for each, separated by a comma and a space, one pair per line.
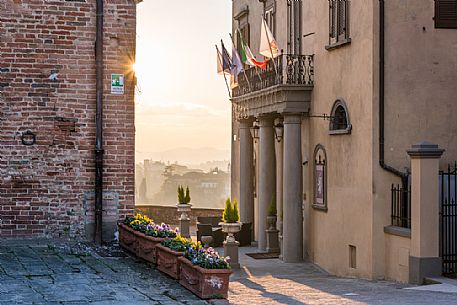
47, 87
170, 214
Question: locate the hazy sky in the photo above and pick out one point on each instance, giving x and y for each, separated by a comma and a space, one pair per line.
183, 101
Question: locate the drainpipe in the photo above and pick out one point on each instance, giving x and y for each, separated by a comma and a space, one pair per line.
402, 175
99, 124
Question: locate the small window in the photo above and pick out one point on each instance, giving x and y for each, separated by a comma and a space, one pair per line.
446, 14
338, 23
320, 178
339, 119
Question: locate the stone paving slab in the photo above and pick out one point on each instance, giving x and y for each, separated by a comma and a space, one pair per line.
38, 273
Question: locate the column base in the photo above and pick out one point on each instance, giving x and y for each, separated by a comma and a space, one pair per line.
422, 267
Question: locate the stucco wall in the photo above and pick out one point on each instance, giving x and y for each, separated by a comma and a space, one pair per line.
342, 73
397, 250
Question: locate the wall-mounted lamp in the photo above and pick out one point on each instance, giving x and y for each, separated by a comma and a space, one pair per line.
28, 138
279, 131
255, 131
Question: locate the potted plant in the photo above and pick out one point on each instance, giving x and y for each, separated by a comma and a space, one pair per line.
169, 251
230, 217
205, 273
184, 207
153, 236
129, 231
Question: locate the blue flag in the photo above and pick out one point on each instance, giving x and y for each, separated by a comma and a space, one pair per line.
226, 61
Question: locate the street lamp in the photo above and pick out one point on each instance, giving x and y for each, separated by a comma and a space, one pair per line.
279, 131
255, 131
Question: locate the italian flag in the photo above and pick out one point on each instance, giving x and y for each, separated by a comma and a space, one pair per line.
248, 58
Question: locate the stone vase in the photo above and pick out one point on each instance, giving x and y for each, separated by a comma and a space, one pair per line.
184, 220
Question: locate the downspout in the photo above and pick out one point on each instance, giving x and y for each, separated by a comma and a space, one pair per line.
403, 176
99, 123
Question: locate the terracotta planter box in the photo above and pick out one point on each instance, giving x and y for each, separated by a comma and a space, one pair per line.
205, 283
128, 239
147, 247
167, 261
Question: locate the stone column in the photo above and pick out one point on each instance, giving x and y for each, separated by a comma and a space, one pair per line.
267, 169
279, 186
424, 260
246, 199
292, 248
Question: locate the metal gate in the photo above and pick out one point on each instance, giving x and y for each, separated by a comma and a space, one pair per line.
448, 219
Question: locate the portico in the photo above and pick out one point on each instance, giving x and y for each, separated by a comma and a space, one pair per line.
279, 173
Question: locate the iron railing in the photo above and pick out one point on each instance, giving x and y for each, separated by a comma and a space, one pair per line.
290, 70
401, 207
448, 219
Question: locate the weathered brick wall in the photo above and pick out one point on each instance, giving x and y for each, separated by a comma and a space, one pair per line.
47, 188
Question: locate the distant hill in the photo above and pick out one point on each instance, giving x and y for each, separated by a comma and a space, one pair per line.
185, 155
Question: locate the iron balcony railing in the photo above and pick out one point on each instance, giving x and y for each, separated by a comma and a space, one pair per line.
290, 70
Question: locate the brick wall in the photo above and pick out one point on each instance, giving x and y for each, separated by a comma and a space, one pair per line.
44, 187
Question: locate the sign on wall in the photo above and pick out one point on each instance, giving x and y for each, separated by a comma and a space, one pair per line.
117, 83
319, 192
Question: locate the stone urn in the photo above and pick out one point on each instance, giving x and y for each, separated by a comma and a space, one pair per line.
230, 229
271, 221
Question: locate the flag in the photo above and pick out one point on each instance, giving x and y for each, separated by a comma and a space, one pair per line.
248, 58
237, 65
220, 69
226, 61
233, 81
268, 45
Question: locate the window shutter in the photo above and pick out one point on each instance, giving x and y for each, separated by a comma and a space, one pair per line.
446, 14
341, 17
332, 18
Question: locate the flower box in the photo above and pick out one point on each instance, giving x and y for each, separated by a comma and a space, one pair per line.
167, 261
147, 247
128, 238
205, 283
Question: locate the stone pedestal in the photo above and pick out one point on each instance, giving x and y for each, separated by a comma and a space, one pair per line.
424, 260
272, 240
267, 169
231, 250
292, 250
184, 220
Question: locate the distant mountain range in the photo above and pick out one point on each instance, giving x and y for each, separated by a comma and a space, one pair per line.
184, 155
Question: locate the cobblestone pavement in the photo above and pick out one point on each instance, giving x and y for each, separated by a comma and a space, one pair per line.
38, 273
46, 274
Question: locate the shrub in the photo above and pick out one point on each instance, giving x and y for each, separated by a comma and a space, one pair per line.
183, 196
231, 213
272, 207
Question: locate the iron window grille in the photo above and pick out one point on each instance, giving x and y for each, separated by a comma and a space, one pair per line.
401, 207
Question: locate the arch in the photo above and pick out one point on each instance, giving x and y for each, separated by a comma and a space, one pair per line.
340, 122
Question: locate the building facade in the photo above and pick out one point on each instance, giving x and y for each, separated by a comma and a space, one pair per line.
48, 116
358, 82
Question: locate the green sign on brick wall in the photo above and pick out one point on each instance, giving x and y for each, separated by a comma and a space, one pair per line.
117, 83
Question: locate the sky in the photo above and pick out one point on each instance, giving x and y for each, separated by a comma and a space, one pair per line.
182, 101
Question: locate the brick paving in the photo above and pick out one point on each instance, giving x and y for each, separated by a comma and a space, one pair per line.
34, 272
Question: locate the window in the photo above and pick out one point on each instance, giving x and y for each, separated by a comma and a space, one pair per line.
320, 178
446, 14
270, 18
338, 23
339, 119
243, 27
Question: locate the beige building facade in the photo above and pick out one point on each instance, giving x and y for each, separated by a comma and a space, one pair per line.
357, 84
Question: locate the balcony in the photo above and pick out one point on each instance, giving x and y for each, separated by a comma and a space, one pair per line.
287, 90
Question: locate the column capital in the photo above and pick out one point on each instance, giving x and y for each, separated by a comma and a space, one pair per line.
266, 120
425, 150
246, 123
292, 118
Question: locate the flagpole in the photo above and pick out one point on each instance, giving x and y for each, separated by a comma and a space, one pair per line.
223, 72
244, 43
244, 72
269, 44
